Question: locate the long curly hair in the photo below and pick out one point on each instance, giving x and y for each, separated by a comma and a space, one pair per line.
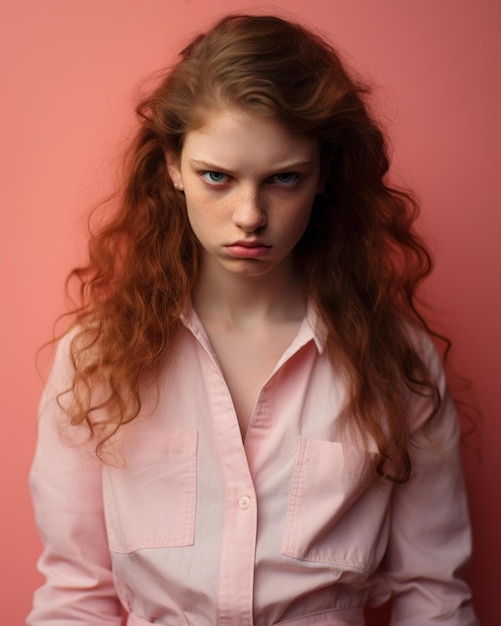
361, 258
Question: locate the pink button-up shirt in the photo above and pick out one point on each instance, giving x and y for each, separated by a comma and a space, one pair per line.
290, 526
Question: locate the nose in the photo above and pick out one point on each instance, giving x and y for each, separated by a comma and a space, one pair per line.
249, 212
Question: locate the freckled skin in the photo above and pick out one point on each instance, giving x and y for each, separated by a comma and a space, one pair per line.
248, 180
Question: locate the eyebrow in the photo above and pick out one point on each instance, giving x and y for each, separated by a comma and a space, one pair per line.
281, 168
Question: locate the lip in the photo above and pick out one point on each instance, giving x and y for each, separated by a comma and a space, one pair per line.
247, 249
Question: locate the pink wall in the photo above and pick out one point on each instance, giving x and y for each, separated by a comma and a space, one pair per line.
68, 76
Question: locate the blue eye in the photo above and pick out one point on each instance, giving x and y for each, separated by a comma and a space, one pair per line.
214, 178
286, 178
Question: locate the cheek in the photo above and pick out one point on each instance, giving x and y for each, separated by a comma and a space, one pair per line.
197, 221
202, 218
302, 216
300, 223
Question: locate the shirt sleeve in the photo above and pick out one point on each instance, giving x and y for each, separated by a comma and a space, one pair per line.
65, 481
430, 540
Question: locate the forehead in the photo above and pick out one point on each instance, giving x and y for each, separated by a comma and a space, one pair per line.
235, 136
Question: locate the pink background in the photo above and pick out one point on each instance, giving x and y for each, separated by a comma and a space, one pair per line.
70, 69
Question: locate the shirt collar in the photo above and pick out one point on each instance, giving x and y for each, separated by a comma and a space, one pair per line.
312, 328
317, 328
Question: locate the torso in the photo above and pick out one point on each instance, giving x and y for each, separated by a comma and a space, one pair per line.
247, 357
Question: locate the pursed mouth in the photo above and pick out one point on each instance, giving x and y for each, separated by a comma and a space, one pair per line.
248, 244
247, 249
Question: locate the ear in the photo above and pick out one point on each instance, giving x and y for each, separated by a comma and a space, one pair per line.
174, 169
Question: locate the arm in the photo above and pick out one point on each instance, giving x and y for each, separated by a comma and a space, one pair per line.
430, 539
65, 481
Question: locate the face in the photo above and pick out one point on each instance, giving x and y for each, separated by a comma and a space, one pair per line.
249, 185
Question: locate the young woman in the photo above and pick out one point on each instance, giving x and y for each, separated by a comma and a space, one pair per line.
247, 423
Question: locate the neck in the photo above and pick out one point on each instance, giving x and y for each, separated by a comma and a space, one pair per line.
247, 300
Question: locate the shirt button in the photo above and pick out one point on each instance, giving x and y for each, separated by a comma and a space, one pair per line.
244, 502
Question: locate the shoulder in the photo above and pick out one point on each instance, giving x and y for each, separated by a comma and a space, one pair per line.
56, 405
425, 348
431, 413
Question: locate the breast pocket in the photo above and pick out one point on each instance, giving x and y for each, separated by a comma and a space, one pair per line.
151, 502
337, 506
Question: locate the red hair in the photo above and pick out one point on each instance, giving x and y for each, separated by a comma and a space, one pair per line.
360, 255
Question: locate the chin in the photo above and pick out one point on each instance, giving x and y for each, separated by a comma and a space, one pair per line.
248, 268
